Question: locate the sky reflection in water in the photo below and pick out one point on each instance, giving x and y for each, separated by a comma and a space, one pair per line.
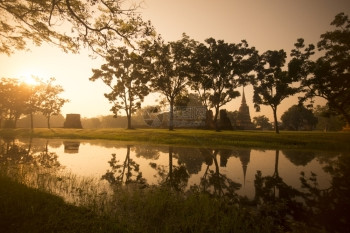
91, 159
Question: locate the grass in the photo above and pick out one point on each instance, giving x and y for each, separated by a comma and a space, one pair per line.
157, 209
200, 138
24, 209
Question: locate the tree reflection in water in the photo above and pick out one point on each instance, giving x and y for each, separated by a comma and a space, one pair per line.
215, 183
276, 199
330, 207
13, 153
320, 208
317, 208
175, 176
127, 172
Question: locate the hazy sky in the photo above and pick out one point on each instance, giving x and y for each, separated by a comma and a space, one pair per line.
265, 24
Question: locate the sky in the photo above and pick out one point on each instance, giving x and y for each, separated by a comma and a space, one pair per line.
265, 24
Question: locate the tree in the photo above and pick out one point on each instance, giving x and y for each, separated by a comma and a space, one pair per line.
328, 119
96, 24
219, 68
14, 96
34, 100
126, 74
298, 117
330, 77
272, 85
51, 103
262, 122
170, 68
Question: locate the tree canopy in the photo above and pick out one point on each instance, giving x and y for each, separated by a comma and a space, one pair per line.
330, 75
298, 117
127, 76
170, 67
69, 24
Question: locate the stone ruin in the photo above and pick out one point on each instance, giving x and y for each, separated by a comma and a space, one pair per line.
73, 121
224, 121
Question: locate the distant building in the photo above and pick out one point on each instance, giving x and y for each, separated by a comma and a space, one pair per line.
243, 118
72, 121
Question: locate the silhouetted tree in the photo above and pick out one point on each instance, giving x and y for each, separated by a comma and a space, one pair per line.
127, 76
13, 102
219, 68
272, 85
51, 102
170, 68
330, 77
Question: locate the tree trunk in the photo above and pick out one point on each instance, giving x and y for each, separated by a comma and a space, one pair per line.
170, 176
216, 123
31, 121
129, 121
275, 118
171, 117
48, 122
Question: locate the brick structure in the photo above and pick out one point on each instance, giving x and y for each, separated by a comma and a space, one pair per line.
243, 118
73, 121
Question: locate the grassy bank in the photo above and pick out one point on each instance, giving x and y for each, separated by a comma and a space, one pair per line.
24, 209
200, 138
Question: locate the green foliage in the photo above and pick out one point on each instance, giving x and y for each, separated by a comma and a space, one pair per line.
328, 120
262, 122
298, 117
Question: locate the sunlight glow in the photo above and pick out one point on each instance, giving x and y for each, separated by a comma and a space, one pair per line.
30, 80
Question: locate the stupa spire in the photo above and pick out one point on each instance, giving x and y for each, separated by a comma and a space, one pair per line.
243, 97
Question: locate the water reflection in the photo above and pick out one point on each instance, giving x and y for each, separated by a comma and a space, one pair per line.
14, 152
123, 172
71, 147
310, 186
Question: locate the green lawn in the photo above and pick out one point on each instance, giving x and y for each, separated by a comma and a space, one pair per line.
200, 138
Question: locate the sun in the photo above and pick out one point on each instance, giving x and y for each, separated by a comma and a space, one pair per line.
30, 80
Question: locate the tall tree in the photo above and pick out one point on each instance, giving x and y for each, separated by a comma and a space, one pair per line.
34, 100
51, 102
330, 77
94, 23
127, 76
170, 68
272, 85
219, 68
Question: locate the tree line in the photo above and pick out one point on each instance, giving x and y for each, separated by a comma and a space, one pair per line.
18, 99
213, 69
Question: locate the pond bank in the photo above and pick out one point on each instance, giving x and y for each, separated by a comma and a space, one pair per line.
199, 138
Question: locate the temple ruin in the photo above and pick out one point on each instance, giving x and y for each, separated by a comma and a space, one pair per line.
72, 121
243, 118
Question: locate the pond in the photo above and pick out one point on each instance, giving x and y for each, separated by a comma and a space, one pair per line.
290, 175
